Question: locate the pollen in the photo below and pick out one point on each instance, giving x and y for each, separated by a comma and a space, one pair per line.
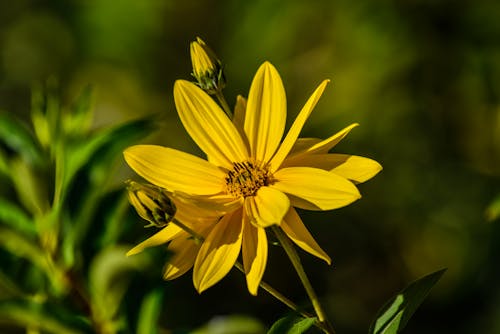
246, 178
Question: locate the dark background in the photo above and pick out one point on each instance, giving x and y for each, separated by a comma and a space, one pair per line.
422, 79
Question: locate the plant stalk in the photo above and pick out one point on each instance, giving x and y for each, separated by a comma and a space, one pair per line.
294, 258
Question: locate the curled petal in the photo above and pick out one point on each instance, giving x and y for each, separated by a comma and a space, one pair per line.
293, 227
185, 250
163, 236
265, 116
322, 146
218, 252
208, 125
322, 189
254, 253
352, 167
175, 170
267, 207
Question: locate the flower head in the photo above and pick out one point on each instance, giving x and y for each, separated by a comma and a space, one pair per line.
151, 203
207, 68
251, 178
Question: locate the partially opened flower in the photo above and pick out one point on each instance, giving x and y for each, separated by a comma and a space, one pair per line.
251, 178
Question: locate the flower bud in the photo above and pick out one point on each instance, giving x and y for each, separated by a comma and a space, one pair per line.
207, 68
151, 203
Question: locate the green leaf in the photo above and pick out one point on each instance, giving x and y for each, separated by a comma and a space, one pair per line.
291, 325
12, 216
39, 118
78, 119
114, 219
109, 276
149, 313
4, 163
102, 149
29, 187
74, 155
231, 324
21, 246
40, 316
395, 314
19, 139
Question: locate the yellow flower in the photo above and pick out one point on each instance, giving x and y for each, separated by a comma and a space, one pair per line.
251, 178
207, 68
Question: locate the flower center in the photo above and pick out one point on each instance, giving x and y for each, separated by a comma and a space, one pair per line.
246, 178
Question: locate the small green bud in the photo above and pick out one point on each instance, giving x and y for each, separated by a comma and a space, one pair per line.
151, 203
207, 68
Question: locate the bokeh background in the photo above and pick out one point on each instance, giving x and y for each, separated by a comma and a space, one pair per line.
421, 77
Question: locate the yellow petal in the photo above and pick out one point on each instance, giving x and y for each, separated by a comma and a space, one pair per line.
208, 125
355, 168
326, 145
293, 227
192, 215
175, 170
239, 115
163, 236
185, 250
254, 253
293, 133
218, 252
267, 207
218, 204
266, 113
322, 189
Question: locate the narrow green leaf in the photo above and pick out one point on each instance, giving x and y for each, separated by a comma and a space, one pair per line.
109, 276
74, 155
395, 314
39, 118
291, 325
78, 119
26, 248
18, 138
114, 219
4, 163
149, 313
231, 324
98, 155
12, 216
53, 320
30, 188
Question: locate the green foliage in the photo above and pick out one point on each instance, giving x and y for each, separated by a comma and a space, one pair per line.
61, 174
292, 325
395, 314
150, 312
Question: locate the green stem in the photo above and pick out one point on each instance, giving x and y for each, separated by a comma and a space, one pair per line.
273, 292
265, 286
222, 100
197, 237
294, 258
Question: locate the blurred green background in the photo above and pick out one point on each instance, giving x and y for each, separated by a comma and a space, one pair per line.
421, 77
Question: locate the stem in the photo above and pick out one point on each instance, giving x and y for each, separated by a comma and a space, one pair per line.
197, 237
265, 286
294, 258
273, 292
222, 100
